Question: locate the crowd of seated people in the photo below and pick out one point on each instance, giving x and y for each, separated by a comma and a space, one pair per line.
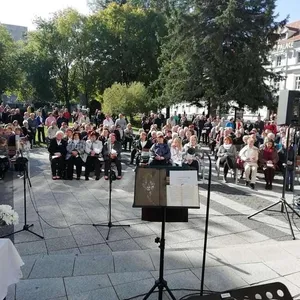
97, 141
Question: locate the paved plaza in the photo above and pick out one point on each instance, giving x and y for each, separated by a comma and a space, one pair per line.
75, 262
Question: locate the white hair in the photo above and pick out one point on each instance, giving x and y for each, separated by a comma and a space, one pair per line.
59, 132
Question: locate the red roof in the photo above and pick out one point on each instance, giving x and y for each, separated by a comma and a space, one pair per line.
295, 26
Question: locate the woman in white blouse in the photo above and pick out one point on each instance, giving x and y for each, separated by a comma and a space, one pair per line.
249, 155
176, 152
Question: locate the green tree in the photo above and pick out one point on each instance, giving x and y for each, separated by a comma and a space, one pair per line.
217, 52
125, 44
128, 99
96, 5
9, 71
59, 38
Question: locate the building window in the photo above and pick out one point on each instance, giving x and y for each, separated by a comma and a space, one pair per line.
278, 61
297, 85
298, 58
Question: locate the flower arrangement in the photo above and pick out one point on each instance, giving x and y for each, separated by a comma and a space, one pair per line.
8, 216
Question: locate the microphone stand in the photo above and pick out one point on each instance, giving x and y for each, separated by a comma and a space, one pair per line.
206, 225
109, 224
26, 226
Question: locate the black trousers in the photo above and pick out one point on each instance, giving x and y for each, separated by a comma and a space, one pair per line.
41, 132
57, 166
269, 175
132, 155
92, 162
71, 162
128, 140
205, 138
4, 166
117, 163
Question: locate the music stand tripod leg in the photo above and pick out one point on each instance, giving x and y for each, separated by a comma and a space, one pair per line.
161, 283
26, 226
288, 216
109, 224
264, 209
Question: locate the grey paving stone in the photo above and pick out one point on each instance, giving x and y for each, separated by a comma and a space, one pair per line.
270, 253
132, 261
102, 294
146, 242
99, 249
29, 262
124, 245
93, 265
284, 267
40, 289
116, 233
238, 255
74, 251
11, 292
213, 258
61, 243
256, 272
132, 289
53, 266
173, 260
52, 233
182, 280
139, 230
82, 229
32, 248
294, 278
127, 277
222, 278
81, 284
88, 239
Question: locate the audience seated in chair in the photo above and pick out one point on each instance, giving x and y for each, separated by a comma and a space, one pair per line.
93, 149
160, 152
112, 154
249, 155
75, 156
58, 150
226, 157
141, 147
192, 154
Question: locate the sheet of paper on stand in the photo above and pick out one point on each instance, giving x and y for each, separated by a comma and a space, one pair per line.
183, 195
184, 177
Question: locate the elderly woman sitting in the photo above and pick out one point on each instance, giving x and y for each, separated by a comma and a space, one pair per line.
249, 155
192, 153
226, 156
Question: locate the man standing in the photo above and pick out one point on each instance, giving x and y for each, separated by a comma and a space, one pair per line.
121, 122
32, 123
40, 129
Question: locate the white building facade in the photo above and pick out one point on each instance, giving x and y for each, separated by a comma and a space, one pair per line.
285, 58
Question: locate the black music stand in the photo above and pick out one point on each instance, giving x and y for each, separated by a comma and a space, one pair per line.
23, 161
282, 200
160, 283
111, 177
270, 291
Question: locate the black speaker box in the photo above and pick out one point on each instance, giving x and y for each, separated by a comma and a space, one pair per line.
288, 108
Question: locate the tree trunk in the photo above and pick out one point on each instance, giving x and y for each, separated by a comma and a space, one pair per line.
167, 112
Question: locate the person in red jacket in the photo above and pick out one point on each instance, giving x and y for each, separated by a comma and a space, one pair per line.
66, 114
271, 126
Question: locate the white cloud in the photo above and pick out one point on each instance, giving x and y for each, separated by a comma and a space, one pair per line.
23, 12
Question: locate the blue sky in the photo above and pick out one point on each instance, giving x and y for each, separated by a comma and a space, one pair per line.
289, 7
23, 12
